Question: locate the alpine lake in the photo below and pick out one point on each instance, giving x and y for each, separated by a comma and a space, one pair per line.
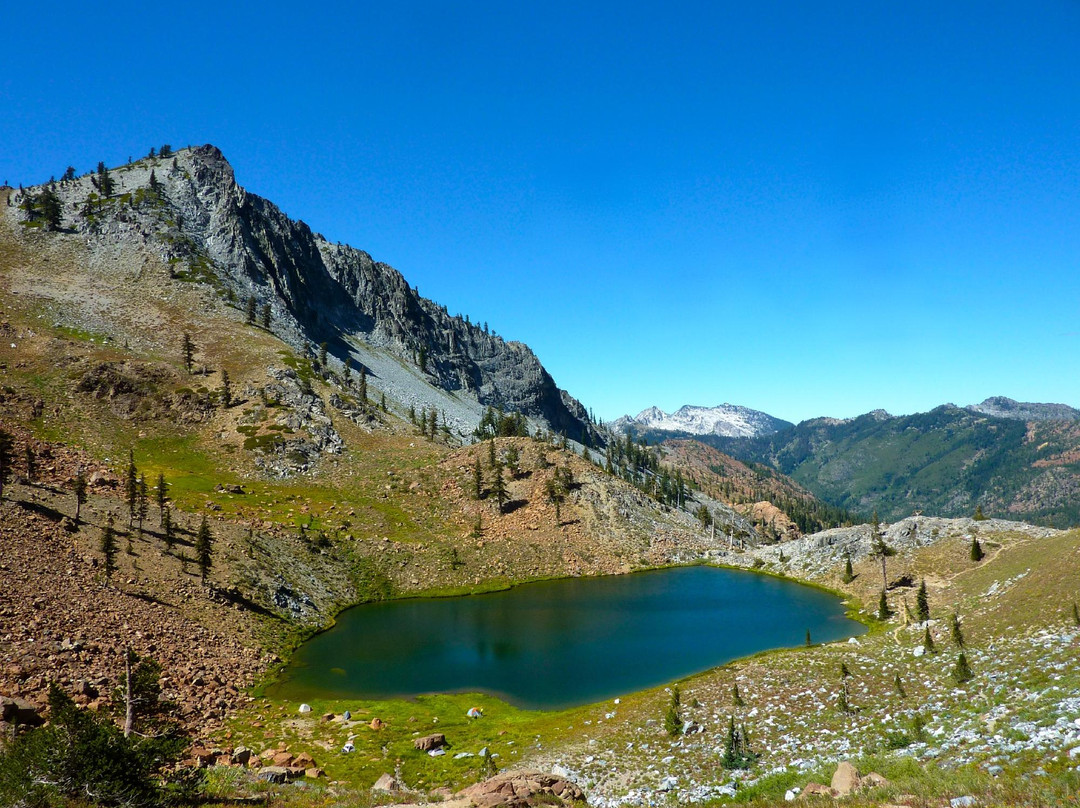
561, 643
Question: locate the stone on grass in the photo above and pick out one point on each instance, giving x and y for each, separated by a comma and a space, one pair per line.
387, 783
845, 779
429, 742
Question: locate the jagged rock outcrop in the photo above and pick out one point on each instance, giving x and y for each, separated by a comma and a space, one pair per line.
201, 222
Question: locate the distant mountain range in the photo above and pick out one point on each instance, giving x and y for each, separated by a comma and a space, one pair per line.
725, 420
1001, 407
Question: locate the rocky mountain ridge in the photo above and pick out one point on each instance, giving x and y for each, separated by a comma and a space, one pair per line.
195, 216
1002, 407
725, 420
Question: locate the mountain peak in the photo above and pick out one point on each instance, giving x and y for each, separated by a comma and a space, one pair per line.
1004, 407
726, 420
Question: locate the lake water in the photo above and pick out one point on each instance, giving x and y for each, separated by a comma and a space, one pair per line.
557, 644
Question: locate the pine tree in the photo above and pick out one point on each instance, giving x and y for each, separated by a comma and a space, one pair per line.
513, 458
104, 180
187, 348
883, 611
322, 355
421, 359
346, 371
808, 643
899, 685
478, 479
226, 389
161, 491
957, 634
842, 702
165, 151
961, 672
849, 574
1075, 614
928, 641
979, 515
922, 605
131, 487
976, 549
142, 505
736, 697
363, 388
249, 310
52, 211
155, 186
80, 494
879, 549
491, 453
673, 721
108, 547
204, 548
266, 316
498, 486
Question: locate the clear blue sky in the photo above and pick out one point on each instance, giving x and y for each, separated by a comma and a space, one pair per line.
807, 208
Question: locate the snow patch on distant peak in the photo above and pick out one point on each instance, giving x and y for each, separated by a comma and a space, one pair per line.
726, 420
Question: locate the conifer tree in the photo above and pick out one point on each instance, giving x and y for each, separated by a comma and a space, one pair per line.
899, 685
1075, 614
226, 389
512, 460
131, 487
155, 186
478, 479
736, 697
108, 546
346, 370
922, 604
266, 316
491, 453
142, 506
673, 721
928, 640
976, 549
187, 348
363, 388
80, 494
979, 515
322, 355
879, 549
204, 548
883, 607
957, 634
104, 180
961, 672
249, 310
31, 463
161, 491
808, 643
51, 209
498, 486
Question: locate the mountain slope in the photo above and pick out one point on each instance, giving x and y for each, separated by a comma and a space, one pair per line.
209, 229
945, 462
726, 420
1002, 407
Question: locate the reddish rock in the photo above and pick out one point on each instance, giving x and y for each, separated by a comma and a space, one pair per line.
429, 742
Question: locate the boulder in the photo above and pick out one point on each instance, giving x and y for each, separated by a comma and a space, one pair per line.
273, 774
520, 787
19, 712
817, 790
376, 723
429, 742
282, 759
305, 760
845, 779
314, 773
872, 780
241, 755
387, 783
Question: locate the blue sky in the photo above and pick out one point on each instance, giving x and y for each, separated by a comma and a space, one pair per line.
806, 208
